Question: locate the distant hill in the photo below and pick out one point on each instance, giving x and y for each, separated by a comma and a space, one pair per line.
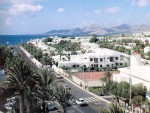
95, 29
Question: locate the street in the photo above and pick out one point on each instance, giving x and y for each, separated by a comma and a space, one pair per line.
93, 103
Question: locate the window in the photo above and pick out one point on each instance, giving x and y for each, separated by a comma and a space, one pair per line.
73, 66
111, 59
96, 60
96, 65
101, 59
116, 64
101, 66
91, 59
116, 58
121, 64
107, 65
91, 65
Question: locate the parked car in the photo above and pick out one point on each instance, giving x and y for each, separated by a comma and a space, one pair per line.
8, 107
59, 77
51, 105
80, 101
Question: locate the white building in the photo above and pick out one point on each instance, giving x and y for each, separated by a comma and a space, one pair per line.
98, 59
138, 73
146, 49
40, 44
89, 47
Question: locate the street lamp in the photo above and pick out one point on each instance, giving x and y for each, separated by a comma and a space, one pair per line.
130, 79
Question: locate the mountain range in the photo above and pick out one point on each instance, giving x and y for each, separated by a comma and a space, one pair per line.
98, 30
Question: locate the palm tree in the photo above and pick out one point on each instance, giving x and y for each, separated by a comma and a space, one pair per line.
113, 108
62, 96
106, 79
19, 79
46, 82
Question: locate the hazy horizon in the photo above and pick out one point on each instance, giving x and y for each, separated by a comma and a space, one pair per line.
39, 16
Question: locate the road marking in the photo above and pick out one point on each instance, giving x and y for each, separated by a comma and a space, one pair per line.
78, 110
95, 99
87, 99
90, 99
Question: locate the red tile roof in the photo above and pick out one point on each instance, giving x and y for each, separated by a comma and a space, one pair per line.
89, 75
135, 53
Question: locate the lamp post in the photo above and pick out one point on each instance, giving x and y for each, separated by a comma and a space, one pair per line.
130, 80
83, 77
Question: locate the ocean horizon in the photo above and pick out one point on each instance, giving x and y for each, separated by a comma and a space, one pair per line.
18, 39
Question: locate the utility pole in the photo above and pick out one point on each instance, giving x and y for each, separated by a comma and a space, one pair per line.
130, 79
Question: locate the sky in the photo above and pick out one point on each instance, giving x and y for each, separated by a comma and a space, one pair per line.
39, 16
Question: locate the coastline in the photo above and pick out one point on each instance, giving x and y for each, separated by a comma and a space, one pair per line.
17, 39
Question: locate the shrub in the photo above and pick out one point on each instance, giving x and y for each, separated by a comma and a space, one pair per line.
97, 91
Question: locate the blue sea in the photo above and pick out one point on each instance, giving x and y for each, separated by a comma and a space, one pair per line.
17, 39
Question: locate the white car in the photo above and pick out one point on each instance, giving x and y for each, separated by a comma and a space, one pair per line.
80, 101
8, 107
59, 77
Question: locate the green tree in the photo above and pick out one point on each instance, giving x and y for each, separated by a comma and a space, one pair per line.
5, 56
106, 80
19, 79
46, 83
107, 76
94, 39
137, 100
113, 88
62, 96
139, 90
113, 108
123, 90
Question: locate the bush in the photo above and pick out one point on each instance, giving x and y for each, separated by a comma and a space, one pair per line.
97, 91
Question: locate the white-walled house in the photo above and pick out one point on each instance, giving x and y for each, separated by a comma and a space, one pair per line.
137, 72
100, 59
89, 45
40, 44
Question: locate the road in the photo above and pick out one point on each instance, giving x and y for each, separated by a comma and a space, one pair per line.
93, 103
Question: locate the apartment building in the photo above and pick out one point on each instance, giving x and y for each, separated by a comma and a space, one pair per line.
100, 58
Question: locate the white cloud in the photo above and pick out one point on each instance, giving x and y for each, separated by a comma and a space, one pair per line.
147, 16
8, 22
141, 3
21, 1
112, 10
60, 10
97, 11
24, 8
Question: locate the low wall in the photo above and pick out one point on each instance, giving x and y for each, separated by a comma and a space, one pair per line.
64, 73
94, 83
